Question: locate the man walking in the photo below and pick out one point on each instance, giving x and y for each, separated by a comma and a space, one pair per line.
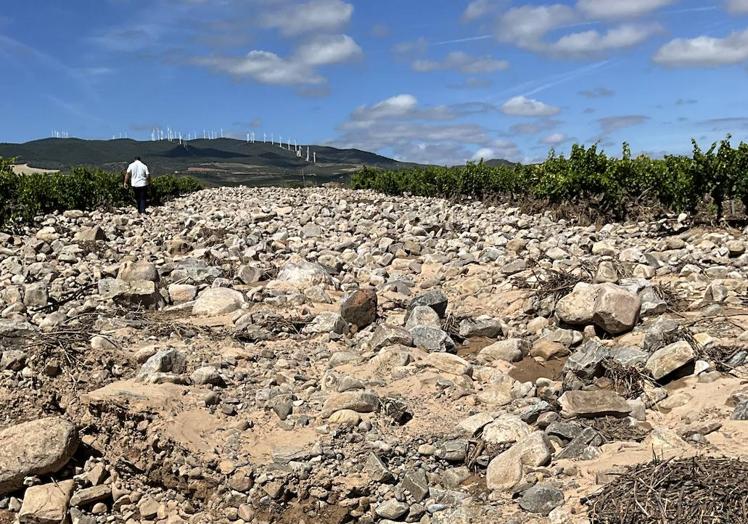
139, 178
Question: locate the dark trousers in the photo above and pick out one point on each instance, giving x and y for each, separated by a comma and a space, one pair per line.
140, 195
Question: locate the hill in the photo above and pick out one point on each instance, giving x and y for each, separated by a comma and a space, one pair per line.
218, 162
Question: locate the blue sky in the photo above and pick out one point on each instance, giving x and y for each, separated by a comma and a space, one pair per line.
439, 81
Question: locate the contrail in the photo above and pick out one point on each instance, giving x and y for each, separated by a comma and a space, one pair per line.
460, 40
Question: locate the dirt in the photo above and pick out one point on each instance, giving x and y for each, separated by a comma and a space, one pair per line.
529, 369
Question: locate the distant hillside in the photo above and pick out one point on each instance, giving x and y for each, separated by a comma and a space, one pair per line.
223, 161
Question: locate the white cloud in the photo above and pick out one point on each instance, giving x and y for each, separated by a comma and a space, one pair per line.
310, 17
526, 26
328, 49
620, 8
555, 139
264, 67
463, 62
594, 43
484, 153
478, 9
614, 123
523, 106
401, 126
704, 51
299, 69
737, 6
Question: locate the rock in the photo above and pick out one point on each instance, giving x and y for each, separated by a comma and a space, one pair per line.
735, 248
741, 411
387, 335
360, 308
90, 234
431, 339
608, 306
165, 361
299, 274
88, 496
391, 509
593, 404
483, 326
35, 295
327, 322
136, 271
217, 301
182, 293
359, 401
207, 375
541, 498
376, 470
506, 429
249, 275
448, 363
423, 316
345, 417
510, 350
417, 484
473, 424
548, 350
669, 359
13, 360
46, 504
505, 470
39, 447
137, 292
435, 299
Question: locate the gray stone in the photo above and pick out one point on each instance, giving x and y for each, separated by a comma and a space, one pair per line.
391, 509
90, 234
434, 298
741, 411
432, 339
541, 499
505, 470
423, 316
483, 326
88, 496
510, 350
133, 271
13, 359
417, 484
327, 322
387, 335
376, 470
217, 301
35, 295
165, 361
359, 401
207, 375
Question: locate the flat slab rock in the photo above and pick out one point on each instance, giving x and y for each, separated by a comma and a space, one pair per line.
597, 403
46, 504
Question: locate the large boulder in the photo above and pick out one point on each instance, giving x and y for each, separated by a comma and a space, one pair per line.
360, 308
217, 301
39, 447
608, 306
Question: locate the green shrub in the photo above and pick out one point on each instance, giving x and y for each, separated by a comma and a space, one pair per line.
23, 197
612, 187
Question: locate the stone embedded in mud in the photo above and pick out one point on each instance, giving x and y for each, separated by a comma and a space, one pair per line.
35, 448
596, 403
482, 326
670, 358
510, 350
46, 504
360, 308
217, 301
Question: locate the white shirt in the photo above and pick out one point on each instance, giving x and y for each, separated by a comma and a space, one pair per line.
138, 174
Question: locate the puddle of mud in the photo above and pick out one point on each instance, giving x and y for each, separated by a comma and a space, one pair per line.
529, 369
473, 346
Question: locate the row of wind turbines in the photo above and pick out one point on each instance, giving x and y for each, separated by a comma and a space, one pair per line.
172, 135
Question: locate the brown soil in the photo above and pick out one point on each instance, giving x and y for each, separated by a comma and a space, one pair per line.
529, 369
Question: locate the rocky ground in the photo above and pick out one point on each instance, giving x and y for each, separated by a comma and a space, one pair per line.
278, 355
